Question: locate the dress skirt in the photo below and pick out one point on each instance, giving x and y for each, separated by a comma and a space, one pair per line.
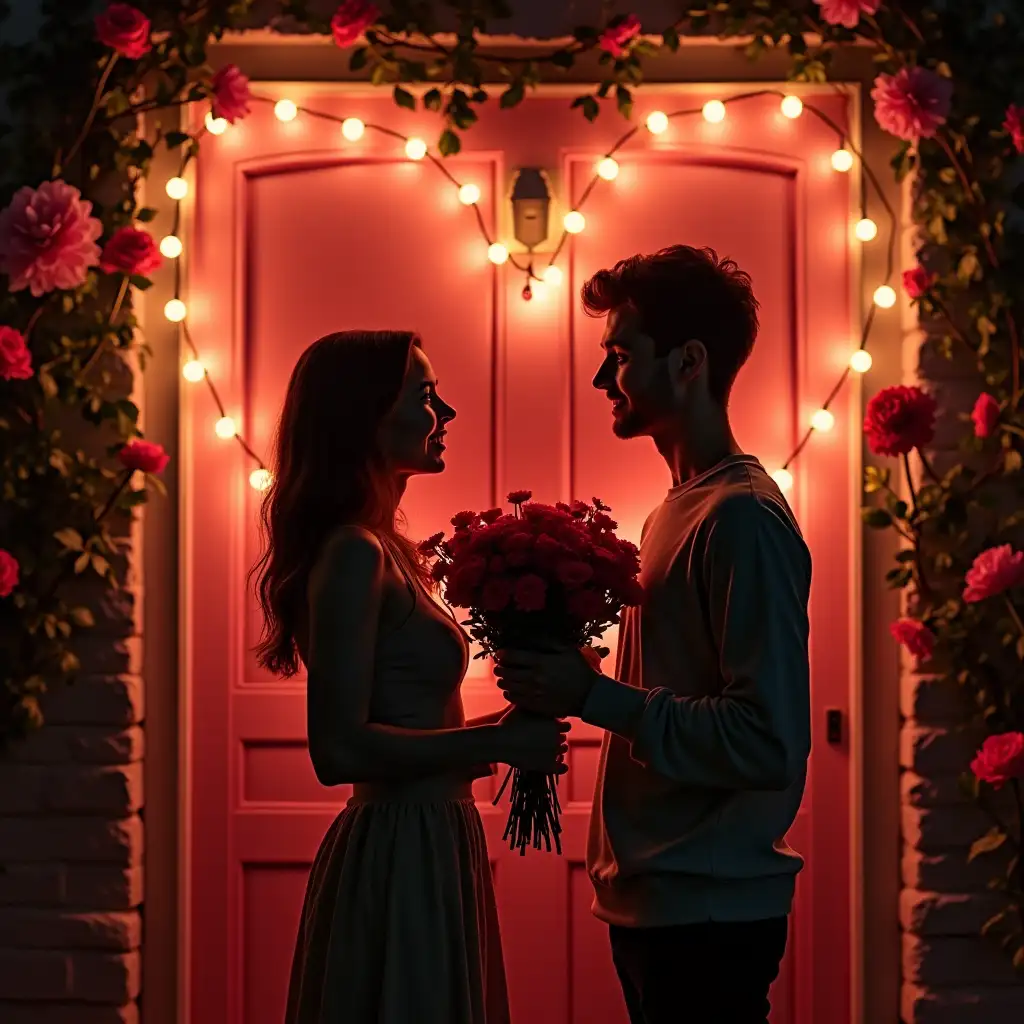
399, 924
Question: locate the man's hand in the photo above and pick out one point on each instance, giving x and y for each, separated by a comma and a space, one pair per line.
554, 682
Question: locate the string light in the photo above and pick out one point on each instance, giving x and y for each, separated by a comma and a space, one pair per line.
866, 229
574, 222
415, 149
657, 122
860, 361
170, 246
285, 110
884, 297
225, 427
215, 125
842, 160
352, 128
260, 479
176, 188
791, 107
193, 371
823, 420
714, 111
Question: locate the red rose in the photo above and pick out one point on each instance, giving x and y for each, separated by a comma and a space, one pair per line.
574, 574
587, 605
915, 636
530, 593
604, 522
145, 456
899, 419
492, 515
994, 571
464, 519
125, 29
428, 546
1014, 126
1000, 759
10, 573
351, 20
130, 251
15, 358
231, 94
985, 415
518, 497
616, 38
917, 281
496, 594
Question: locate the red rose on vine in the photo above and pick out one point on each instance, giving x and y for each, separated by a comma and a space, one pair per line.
144, 456
15, 358
912, 104
918, 639
985, 415
615, 39
130, 250
10, 573
1014, 126
993, 572
846, 12
231, 94
352, 19
917, 281
1000, 759
125, 29
899, 419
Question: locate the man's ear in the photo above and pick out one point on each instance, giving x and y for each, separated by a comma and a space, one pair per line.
686, 361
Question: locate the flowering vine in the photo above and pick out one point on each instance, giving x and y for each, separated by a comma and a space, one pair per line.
74, 248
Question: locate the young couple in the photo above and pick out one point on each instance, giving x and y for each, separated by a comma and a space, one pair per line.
707, 716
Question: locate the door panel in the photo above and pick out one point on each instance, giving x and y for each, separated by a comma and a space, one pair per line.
296, 234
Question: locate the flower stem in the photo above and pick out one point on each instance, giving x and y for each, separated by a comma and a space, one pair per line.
1014, 614
102, 346
60, 164
115, 494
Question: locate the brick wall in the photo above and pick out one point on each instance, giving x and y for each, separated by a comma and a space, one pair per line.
951, 975
71, 838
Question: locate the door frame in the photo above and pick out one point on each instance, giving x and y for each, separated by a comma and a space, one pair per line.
167, 547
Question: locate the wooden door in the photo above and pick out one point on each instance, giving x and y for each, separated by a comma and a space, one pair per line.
298, 232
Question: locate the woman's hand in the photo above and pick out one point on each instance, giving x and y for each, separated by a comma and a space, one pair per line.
531, 743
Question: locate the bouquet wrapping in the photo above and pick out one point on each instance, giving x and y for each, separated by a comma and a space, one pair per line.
537, 576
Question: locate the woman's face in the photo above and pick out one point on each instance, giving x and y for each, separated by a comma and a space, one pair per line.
412, 435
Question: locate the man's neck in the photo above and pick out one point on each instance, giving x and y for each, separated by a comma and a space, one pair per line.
692, 446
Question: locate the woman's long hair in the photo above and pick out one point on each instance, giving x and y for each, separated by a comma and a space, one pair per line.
328, 470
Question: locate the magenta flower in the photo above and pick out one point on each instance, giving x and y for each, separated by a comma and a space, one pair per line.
352, 19
616, 38
846, 12
917, 281
912, 104
918, 639
15, 358
985, 415
994, 571
231, 94
1014, 126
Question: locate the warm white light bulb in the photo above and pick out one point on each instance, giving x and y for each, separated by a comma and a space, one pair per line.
215, 125
170, 246
177, 188
791, 106
260, 479
415, 149
823, 420
352, 128
783, 479
574, 222
225, 427
497, 253
175, 310
842, 160
552, 276
469, 194
285, 110
657, 122
714, 111
885, 297
866, 229
193, 371
860, 361
608, 168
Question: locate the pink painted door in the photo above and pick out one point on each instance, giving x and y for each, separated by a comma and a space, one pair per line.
298, 232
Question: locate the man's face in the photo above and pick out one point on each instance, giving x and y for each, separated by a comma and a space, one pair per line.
634, 379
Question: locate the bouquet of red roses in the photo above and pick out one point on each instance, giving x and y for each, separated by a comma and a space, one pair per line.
540, 575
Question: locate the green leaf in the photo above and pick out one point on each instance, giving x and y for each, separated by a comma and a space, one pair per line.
588, 105
670, 38
175, 139
145, 214
358, 58
82, 562
624, 101
140, 282
69, 662
432, 99
992, 840
71, 539
100, 564
82, 616
512, 96
449, 143
968, 268
1012, 461
563, 59
47, 383
876, 518
404, 98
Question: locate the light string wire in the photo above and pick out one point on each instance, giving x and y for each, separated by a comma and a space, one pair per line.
713, 111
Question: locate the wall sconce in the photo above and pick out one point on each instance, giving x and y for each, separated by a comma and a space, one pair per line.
531, 200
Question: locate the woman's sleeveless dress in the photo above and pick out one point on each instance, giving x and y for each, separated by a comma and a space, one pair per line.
399, 924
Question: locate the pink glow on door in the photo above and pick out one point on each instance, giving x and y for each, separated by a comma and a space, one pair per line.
298, 233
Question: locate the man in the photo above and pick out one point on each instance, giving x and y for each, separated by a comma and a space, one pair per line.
708, 716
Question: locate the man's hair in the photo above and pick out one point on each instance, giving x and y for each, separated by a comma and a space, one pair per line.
682, 293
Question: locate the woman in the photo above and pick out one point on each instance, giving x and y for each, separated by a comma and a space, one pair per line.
399, 922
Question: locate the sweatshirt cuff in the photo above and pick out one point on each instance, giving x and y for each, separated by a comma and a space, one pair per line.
614, 706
